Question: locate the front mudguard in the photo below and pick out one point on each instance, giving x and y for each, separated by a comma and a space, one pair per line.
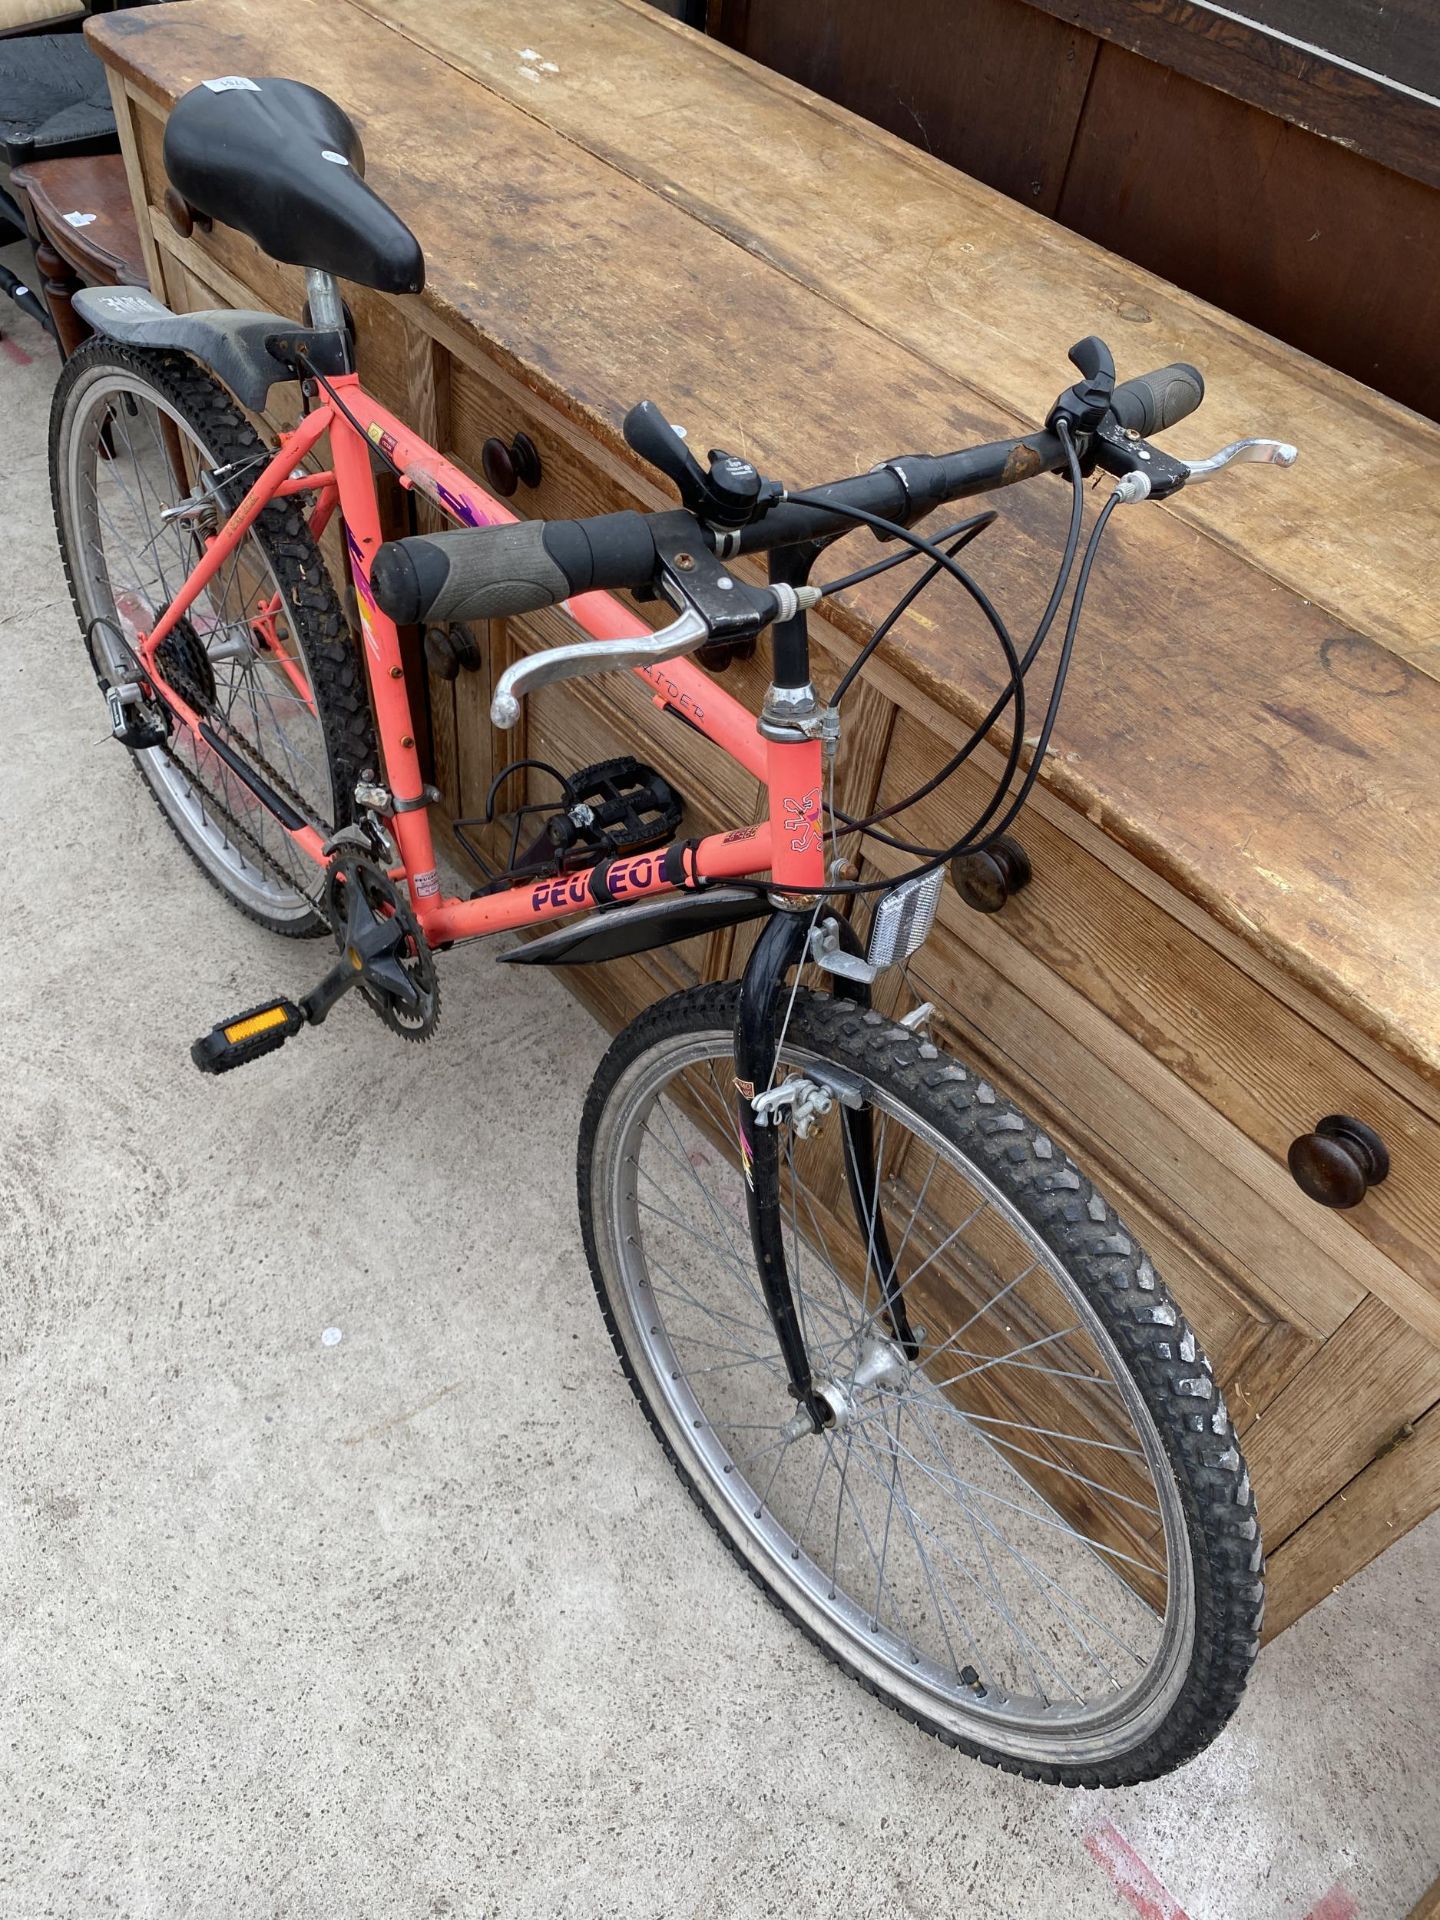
758, 1021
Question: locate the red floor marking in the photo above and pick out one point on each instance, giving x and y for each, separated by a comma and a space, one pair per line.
14, 351
1134, 1881
1334, 1905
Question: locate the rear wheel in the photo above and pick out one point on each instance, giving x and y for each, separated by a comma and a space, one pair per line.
1036, 1537
264, 653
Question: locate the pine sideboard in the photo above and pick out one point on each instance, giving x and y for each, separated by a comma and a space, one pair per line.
1231, 929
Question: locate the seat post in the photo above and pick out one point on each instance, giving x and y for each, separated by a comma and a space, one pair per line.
327, 310
323, 293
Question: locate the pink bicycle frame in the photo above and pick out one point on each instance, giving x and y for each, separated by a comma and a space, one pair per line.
789, 845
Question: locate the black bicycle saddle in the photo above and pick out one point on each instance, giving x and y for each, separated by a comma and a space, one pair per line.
281, 162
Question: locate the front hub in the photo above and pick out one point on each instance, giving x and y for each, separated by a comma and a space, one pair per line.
846, 1398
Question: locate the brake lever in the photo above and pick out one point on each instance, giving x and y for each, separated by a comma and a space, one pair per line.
684, 635
687, 634
1274, 453
1147, 472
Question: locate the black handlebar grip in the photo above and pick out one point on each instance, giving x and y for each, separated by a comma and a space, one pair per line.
1153, 401
487, 573
477, 573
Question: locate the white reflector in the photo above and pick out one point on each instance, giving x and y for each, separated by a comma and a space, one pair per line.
904, 918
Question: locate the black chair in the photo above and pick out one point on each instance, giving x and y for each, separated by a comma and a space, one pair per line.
39, 16
54, 104
54, 100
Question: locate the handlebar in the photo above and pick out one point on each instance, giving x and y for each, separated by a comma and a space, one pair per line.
480, 573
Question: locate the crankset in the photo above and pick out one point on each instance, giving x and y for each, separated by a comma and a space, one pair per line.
382, 952
382, 946
615, 807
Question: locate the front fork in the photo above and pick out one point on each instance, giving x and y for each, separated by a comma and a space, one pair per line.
763, 1000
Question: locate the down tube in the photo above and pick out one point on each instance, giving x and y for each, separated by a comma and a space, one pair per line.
723, 856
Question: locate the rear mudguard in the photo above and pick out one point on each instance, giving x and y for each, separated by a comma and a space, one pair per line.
244, 349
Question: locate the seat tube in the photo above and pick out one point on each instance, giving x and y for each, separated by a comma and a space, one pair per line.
360, 511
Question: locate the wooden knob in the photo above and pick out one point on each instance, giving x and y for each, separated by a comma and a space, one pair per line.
1339, 1162
505, 468
450, 649
183, 217
986, 878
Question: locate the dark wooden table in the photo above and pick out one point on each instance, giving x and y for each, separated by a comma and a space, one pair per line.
83, 224
1279, 157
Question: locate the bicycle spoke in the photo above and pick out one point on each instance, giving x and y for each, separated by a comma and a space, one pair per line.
970, 1419
992, 1597
889, 1515
1094, 1548
931, 1577
1043, 1581
873, 1317
1046, 1517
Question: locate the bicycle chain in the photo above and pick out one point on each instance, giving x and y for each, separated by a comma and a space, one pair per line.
283, 787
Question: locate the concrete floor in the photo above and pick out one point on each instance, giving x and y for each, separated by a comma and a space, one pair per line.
419, 1622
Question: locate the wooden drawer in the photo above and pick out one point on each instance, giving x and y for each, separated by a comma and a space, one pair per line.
1227, 1066
1177, 1081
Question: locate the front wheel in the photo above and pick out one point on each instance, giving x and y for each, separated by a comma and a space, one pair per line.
1035, 1536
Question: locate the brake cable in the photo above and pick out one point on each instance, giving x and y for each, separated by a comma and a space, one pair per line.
935, 858
869, 825
1072, 627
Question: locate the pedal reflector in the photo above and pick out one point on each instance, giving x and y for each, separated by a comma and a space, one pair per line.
254, 1023
234, 1043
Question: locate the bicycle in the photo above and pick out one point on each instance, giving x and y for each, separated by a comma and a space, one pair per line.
906, 1359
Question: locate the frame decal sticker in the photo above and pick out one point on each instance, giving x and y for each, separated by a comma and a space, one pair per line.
802, 818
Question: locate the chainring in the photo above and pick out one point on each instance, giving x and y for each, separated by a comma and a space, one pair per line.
417, 1021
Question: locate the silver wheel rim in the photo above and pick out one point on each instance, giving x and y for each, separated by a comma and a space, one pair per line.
738, 1471
120, 571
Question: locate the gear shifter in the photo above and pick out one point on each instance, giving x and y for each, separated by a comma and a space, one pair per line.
1086, 405
731, 494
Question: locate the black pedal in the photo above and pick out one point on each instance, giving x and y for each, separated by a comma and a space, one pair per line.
235, 1043
615, 807
619, 806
